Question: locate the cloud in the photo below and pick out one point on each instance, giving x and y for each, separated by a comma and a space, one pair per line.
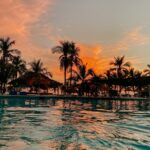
98, 56
17, 19
93, 56
133, 38
20, 17
17, 16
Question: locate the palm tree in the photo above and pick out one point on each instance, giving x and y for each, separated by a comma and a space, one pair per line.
6, 49
139, 76
37, 68
64, 49
120, 66
81, 75
19, 66
109, 74
131, 73
5, 74
74, 59
95, 82
7, 53
147, 71
134, 78
110, 77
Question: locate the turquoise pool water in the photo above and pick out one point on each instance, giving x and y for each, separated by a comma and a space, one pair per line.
74, 124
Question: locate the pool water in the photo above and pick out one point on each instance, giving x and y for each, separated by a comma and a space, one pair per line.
58, 124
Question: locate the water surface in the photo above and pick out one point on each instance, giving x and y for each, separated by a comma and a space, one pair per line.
74, 124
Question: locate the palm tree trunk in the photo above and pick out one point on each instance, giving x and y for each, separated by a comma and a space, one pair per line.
65, 80
70, 75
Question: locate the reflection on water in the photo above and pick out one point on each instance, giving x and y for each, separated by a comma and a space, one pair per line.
74, 125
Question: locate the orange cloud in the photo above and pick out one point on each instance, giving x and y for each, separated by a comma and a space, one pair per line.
93, 56
17, 18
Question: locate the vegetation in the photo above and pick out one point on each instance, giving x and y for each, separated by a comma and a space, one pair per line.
18, 66
7, 53
6, 66
147, 71
36, 67
64, 49
68, 58
120, 79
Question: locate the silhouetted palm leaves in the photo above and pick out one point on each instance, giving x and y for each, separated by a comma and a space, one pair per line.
147, 71
64, 49
6, 49
120, 66
68, 59
82, 79
5, 74
19, 66
81, 75
7, 54
74, 59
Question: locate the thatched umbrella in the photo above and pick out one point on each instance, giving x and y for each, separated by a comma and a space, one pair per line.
31, 79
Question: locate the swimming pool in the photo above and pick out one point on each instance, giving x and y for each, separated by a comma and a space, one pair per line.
59, 124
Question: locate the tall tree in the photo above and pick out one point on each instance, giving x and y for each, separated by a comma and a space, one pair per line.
7, 53
64, 48
74, 59
5, 74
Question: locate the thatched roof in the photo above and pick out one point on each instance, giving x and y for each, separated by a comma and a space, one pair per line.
30, 79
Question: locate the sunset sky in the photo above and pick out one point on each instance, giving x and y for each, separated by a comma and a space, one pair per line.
101, 28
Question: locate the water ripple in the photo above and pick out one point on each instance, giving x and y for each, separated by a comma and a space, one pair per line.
74, 125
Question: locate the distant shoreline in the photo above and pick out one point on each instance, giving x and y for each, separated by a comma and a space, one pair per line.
42, 97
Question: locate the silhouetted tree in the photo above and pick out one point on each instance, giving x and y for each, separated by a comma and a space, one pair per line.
64, 48
120, 67
5, 74
81, 75
6, 50
95, 82
37, 68
147, 71
74, 59
19, 66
